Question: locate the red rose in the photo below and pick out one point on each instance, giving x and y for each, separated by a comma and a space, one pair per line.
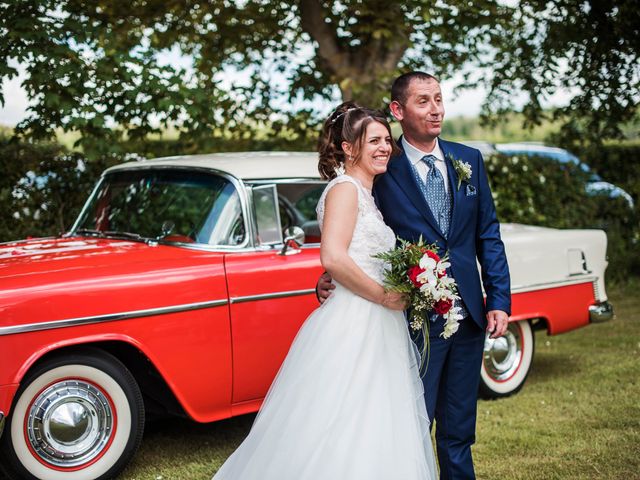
442, 306
413, 273
431, 254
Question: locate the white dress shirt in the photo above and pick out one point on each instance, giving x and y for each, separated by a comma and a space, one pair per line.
415, 157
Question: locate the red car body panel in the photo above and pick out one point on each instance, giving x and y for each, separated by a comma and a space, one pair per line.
7, 393
263, 329
564, 308
87, 278
72, 277
217, 361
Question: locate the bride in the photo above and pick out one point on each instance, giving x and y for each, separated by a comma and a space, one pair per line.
347, 403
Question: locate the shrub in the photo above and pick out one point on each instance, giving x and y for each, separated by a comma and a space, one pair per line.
618, 163
537, 191
43, 187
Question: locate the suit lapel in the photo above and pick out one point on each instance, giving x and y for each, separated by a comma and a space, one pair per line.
453, 181
402, 172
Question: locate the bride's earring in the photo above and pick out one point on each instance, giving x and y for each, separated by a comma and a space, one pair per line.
341, 168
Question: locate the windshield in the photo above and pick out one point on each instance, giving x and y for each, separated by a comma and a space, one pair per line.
168, 205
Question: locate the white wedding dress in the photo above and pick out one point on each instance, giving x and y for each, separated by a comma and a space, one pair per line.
347, 403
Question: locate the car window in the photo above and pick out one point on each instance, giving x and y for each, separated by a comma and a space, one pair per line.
267, 214
173, 206
297, 203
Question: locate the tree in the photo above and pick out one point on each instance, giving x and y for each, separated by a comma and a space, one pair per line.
100, 68
590, 48
95, 67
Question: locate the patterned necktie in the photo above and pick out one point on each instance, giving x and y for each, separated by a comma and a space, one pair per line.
440, 204
436, 195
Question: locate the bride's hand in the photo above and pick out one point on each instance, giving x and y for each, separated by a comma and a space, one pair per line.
395, 300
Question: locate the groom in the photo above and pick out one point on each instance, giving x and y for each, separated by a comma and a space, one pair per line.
428, 191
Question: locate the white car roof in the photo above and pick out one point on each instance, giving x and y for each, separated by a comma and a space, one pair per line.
242, 165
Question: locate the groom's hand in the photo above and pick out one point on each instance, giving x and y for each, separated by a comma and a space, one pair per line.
497, 322
324, 287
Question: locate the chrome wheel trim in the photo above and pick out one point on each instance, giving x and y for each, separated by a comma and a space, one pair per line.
69, 423
503, 355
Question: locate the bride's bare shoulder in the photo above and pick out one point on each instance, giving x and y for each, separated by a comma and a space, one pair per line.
342, 193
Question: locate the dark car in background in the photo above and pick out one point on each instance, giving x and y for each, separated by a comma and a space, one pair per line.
595, 184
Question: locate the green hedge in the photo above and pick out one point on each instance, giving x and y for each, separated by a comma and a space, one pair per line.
537, 191
619, 164
43, 187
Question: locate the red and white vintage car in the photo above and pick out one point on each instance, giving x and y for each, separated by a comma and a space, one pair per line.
179, 290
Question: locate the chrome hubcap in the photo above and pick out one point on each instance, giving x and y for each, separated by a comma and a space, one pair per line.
69, 423
502, 355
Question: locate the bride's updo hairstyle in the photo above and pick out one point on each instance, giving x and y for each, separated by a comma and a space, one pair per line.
348, 123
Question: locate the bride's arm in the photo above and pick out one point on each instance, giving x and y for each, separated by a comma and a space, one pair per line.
340, 215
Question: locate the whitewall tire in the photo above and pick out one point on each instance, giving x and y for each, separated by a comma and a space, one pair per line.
78, 416
507, 361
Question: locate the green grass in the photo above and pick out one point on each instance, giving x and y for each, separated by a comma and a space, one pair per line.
578, 416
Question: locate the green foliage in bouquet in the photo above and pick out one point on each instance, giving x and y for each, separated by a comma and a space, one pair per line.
399, 260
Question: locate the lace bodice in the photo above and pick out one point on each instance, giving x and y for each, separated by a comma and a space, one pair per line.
370, 236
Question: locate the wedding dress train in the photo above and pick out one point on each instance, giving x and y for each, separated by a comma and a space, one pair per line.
347, 403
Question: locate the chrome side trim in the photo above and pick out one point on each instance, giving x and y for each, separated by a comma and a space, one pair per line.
557, 283
267, 296
72, 322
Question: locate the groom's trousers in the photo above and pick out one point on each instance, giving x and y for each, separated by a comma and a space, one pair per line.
451, 385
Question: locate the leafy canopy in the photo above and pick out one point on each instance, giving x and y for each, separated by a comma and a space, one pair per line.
108, 69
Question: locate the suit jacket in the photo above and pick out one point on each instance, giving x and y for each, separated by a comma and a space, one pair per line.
474, 231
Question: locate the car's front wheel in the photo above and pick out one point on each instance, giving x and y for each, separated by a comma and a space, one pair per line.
78, 416
507, 361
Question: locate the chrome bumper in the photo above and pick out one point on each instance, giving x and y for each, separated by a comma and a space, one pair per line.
1, 423
602, 312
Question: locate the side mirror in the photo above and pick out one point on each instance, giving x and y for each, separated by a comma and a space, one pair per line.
294, 237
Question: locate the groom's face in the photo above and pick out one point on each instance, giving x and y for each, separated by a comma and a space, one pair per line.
421, 111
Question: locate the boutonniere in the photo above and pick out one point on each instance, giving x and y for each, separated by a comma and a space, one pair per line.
463, 169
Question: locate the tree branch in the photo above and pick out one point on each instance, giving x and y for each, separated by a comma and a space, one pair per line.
312, 16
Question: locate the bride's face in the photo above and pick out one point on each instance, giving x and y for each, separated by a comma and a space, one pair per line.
376, 150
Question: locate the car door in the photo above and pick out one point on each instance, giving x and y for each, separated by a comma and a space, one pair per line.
270, 294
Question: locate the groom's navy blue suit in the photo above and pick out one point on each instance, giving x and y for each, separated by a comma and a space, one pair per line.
453, 373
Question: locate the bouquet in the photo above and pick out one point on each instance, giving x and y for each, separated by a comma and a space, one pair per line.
417, 270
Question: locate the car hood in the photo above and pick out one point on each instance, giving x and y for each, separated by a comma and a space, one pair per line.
51, 279
57, 255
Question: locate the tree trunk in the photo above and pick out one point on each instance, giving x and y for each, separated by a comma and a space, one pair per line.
363, 71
